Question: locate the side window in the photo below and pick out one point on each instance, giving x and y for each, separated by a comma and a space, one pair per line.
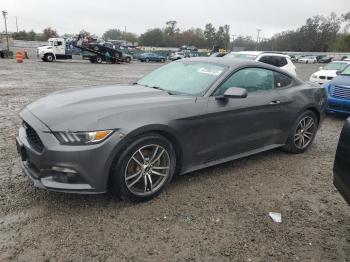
281, 80
251, 79
58, 43
282, 61
266, 60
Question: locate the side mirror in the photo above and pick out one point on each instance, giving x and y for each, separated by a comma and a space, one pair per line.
338, 72
234, 92
320, 68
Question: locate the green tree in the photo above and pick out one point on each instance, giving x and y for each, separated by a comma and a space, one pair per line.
153, 37
113, 34
210, 34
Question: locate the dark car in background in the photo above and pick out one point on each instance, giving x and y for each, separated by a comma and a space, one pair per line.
151, 57
339, 93
341, 168
184, 116
326, 59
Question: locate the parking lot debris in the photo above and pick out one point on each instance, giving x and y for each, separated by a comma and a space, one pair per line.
276, 217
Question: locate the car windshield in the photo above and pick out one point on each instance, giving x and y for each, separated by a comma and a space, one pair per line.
336, 66
346, 71
241, 56
189, 78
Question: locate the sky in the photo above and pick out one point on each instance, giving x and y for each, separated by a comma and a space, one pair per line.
243, 16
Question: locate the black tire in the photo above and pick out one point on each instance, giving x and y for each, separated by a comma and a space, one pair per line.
99, 60
293, 145
127, 59
126, 163
162, 60
307, 62
147, 60
49, 58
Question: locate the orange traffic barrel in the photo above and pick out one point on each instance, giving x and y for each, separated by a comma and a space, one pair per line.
19, 57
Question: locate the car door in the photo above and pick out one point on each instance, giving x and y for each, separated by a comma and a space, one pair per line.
342, 163
240, 125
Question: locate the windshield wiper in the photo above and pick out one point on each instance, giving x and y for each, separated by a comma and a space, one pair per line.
161, 89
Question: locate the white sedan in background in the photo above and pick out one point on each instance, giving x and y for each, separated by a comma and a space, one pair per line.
328, 72
308, 60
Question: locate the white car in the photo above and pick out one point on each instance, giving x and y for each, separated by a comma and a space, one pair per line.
328, 72
308, 60
276, 59
177, 56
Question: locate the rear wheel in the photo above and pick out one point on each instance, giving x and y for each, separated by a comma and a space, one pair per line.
147, 60
162, 60
128, 59
145, 168
303, 133
99, 60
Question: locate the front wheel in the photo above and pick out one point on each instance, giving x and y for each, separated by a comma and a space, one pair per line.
303, 133
162, 60
49, 57
145, 168
147, 60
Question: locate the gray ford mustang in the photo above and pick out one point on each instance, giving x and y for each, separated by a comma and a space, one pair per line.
182, 117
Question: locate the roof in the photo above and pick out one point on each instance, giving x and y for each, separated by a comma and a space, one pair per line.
233, 63
257, 53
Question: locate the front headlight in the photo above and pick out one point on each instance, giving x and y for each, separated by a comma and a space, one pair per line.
82, 138
313, 76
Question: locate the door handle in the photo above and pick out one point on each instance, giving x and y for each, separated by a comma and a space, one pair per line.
275, 102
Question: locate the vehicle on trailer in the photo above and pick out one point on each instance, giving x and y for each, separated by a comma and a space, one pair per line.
326, 59
182, 117
327, 73
151, 57
218, 54
58, 48
272, 58
308, 60
339, 93
341, 169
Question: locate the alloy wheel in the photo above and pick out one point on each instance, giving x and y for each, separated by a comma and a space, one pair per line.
147, 170
304, 133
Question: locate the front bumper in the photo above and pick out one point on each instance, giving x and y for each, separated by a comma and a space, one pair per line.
319, 81
71, 169
337, 105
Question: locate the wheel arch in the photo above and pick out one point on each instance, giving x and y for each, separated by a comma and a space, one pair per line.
162, 130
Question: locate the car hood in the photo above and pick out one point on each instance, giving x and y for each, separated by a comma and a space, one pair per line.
331, 73
341, 80
92, 108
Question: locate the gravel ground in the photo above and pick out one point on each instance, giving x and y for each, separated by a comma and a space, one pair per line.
217, 214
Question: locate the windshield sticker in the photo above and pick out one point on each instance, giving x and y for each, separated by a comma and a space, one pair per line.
209, 71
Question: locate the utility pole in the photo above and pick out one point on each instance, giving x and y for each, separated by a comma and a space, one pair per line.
233, 39
125, 34
257, 38
4, 13
16, 24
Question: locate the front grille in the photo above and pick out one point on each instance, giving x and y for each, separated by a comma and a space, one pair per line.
329, 77
322, 77
341, 92
33, 137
